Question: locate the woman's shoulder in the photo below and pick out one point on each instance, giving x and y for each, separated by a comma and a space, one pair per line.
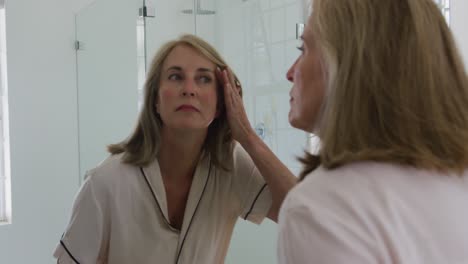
240, 156
239, 151
111, 169
354, 175
365, 184
348, 185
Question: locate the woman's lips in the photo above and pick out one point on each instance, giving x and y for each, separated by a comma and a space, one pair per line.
187, 108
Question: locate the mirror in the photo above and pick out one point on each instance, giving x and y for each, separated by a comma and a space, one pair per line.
256, 37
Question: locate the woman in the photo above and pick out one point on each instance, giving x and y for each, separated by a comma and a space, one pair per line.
383, 86
174, 189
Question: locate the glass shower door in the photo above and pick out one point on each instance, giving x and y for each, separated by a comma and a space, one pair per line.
106, 77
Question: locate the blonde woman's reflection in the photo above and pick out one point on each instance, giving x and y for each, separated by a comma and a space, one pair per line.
174, 189
383, 86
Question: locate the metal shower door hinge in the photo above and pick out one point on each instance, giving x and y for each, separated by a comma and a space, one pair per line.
147, 11
78, 45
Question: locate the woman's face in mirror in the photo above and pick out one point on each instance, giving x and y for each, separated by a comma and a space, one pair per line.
308, 91
188, 90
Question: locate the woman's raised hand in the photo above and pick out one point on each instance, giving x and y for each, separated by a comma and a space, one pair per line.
235, 111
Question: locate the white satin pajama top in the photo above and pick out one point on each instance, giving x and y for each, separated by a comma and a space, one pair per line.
120, 214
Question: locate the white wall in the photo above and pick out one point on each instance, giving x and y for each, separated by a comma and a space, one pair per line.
43, 127
459, 23
79, 5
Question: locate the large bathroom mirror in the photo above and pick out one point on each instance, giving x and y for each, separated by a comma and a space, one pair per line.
116, 40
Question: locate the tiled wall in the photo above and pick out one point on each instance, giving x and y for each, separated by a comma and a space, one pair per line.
258, 38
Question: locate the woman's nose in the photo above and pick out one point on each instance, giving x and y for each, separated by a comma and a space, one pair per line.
189, 88
290, 73
185, 93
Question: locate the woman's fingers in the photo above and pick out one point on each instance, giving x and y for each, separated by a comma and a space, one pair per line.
226, 76
228, 96
237, 117
232, 80
231, 88
222, 79
227, 90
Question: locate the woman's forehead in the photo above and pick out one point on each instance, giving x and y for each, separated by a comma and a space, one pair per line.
186, 57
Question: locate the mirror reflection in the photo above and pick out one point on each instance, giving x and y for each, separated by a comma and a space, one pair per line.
257, 39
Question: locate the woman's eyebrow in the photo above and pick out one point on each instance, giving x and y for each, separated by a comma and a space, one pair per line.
205, 70
177, 68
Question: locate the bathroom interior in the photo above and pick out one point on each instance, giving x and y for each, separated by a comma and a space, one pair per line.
72, 73
257, 38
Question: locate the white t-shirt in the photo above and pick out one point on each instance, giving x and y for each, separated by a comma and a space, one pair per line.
120, 214
371, 212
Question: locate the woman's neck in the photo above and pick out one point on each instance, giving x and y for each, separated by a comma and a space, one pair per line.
179, 153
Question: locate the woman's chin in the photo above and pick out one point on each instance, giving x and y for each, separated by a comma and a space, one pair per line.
300, 125
293, 121
188, 127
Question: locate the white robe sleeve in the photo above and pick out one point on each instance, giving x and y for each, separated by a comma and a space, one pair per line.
251, 191
84, 240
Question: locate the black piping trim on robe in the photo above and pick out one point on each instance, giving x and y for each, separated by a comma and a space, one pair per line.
194, 214
255, 200
154, 196
68, 252
196, 208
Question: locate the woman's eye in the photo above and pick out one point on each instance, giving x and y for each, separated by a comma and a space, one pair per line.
205, 79
174, 77
301, 48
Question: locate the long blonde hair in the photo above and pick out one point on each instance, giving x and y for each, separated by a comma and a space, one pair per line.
397, 87
142, 146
